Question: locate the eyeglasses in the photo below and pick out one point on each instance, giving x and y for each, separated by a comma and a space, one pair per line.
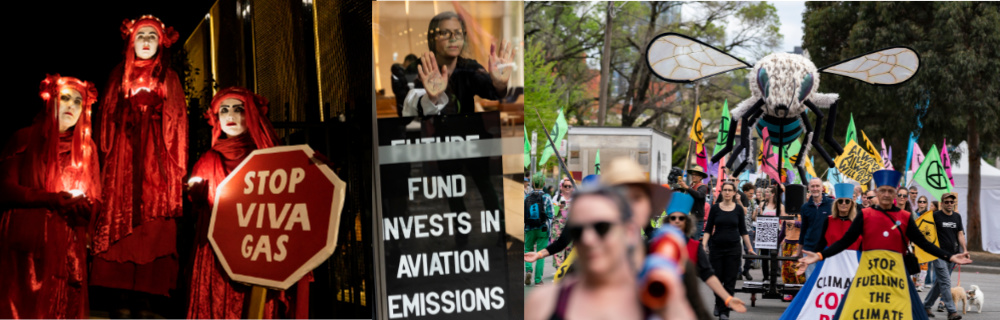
902, 195
921, 201
949, 202
566, 186
869, 198
602, 228
843, 201
677, 218
448, 34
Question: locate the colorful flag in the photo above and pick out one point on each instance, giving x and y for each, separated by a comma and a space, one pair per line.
558, 132
886, 156
926, 225
770, 165
946, 161
870, 148
720, 140
597, 162
856, 163
909, 153
918, 157
810, 169
696, 133
931, 174
851, 133
833, 176
527, 149
700, 156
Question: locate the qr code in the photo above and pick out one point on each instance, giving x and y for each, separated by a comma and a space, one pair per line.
767, 233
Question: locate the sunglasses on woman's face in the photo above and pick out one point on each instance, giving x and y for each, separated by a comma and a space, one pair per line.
843, 201
921, 201
901, 195
566, 186
677, 218
576, 230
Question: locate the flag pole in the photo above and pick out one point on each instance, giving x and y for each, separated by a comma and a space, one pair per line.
555, 150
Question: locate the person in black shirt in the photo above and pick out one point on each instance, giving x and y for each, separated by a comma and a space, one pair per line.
725, 227
951, 238
447, 82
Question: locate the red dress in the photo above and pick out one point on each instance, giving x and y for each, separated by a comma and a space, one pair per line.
43, 254
213, 294
144, 138
836, 228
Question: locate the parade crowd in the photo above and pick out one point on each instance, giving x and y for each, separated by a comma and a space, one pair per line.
601, 229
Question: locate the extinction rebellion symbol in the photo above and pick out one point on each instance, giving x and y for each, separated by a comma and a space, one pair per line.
935, 176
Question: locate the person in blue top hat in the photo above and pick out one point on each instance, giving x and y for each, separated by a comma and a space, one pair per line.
678, 215
884, 230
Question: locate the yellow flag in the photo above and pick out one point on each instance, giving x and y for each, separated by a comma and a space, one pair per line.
926, 225
696, 128
871, 149
809, 167
564, 267
857, 163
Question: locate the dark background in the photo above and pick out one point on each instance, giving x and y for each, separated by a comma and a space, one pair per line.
75, 39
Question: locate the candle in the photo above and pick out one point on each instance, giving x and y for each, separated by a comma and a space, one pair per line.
194, 180
76, 192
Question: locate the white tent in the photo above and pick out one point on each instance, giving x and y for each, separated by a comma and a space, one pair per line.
989, 197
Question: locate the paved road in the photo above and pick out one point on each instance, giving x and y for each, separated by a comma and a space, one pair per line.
986, 277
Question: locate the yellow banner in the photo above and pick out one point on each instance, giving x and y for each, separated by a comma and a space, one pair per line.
564, 267
696, 133
857, 163
926, 225
880, 289
871, 149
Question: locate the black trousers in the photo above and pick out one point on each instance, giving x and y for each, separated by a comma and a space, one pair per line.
726, 260
765, 264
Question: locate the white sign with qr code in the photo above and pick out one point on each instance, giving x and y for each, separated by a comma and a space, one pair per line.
767, 233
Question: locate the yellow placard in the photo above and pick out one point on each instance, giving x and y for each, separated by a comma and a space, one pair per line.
880, 289
564, 267
871, 149
857, 163
696, 133
926, 225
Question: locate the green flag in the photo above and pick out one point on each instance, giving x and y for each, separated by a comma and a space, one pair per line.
527, 149
931, 174
557, 133
851, 135
720, 140
597, 162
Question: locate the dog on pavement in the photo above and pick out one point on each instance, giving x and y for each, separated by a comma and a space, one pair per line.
976, 298
959, 294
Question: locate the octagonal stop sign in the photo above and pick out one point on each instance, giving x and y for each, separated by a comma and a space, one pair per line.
276, 216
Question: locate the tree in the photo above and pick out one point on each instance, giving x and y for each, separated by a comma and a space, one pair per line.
542, 95
957, 43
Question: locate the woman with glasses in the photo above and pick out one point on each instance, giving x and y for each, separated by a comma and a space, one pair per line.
903, 199
724, 229
605, 284
768, 208
562, 199
447, 82
923, 206
678, 214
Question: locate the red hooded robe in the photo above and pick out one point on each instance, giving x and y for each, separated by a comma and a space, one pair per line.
144, 141
213, 294
43, 252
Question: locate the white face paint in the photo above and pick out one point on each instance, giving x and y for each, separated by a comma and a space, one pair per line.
146, 42
232, 117
70, 107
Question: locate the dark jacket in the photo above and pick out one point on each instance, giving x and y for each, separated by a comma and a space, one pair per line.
469, 79
812, 221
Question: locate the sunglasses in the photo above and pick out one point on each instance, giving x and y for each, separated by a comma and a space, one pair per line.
677, 218
566, 186
921, 201
949, 202
901, 195
843, 201
869, 198
576, 231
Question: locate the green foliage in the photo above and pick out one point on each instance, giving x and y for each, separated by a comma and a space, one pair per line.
958, 45
541, 94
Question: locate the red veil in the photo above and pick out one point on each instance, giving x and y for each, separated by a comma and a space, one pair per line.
212, 293
42, 256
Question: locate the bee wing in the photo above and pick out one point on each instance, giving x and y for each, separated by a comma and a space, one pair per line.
888, 66
677, 58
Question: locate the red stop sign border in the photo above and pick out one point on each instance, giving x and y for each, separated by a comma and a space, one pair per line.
339, 191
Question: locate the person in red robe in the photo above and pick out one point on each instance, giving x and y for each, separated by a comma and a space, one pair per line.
239, 126
144, 142
48, 193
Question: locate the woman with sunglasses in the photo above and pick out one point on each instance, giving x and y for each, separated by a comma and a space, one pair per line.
605, 284
678, 215
923, 206
563, 198
447, 82
724, 229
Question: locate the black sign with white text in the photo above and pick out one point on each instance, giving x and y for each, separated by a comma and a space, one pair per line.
443, 234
